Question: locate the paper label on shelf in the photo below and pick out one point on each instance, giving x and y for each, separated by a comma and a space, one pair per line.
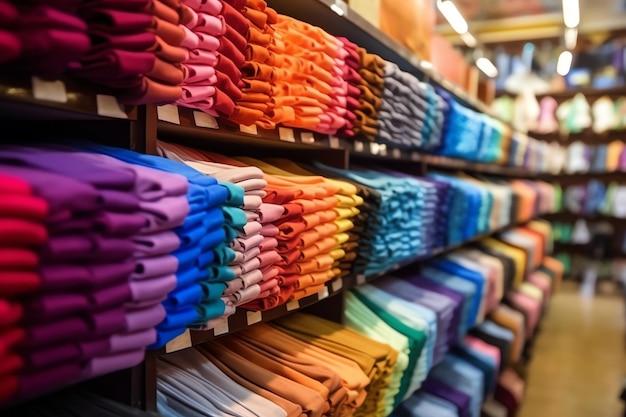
323, 294
360, 279
334, 142
110, 107
248, 129
49, 90
382, 150
307, 137
221, 327
293, 305
254, 317
337, 285
395, 152
358, 146
286, 134
179, 343
374, 148
415, 156
205, 120
168, 113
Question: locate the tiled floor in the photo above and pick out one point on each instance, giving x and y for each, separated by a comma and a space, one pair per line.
579, 359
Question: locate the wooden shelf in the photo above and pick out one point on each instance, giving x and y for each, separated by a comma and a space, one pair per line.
242, 319
32, 98
195, 128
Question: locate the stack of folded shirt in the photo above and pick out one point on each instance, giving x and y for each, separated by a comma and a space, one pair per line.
462, 131
302, 365
416, 322
309, 245
136, 49
358, 317
23, 232
50, 37
307, 78
469, 212
483, 356
10, 44
434, 117
214, 38
257, 72
251, 263
347, 209
100, 281
379, 361
402, 113
394, 231
442, 306
351, 76
372, 85
197, 297
462, 376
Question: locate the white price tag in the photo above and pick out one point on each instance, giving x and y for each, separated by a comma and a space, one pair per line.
248, 129
415, 156
168, 113
221, 327
110, 107
49, 90
334, 142
323, 294
254, 317
293, 305
337, 285
374, 148
307, 137
286, 134
179, 343
360, 279
382, 150
358, 146
395, 152
205, 120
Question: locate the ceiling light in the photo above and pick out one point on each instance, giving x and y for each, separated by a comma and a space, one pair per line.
571, 13
564, 64
571, 38
487, 67
469, 39
453, 16
337, 9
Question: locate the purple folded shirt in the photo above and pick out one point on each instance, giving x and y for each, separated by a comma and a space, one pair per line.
154, 267
460, 399
454, 296
132, 341
111, 363
144, 318
87, 247
156, 244
66, 277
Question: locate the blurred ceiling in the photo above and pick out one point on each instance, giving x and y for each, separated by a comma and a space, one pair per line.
499, 21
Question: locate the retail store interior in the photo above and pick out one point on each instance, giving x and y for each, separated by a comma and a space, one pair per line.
279, 208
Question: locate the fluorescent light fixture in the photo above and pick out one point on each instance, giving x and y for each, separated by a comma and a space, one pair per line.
571, 38
571, 13
453, 16
487, 67
564, 64
469, 39
337, 9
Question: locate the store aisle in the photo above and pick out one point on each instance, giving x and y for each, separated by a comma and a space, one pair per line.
579, 360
